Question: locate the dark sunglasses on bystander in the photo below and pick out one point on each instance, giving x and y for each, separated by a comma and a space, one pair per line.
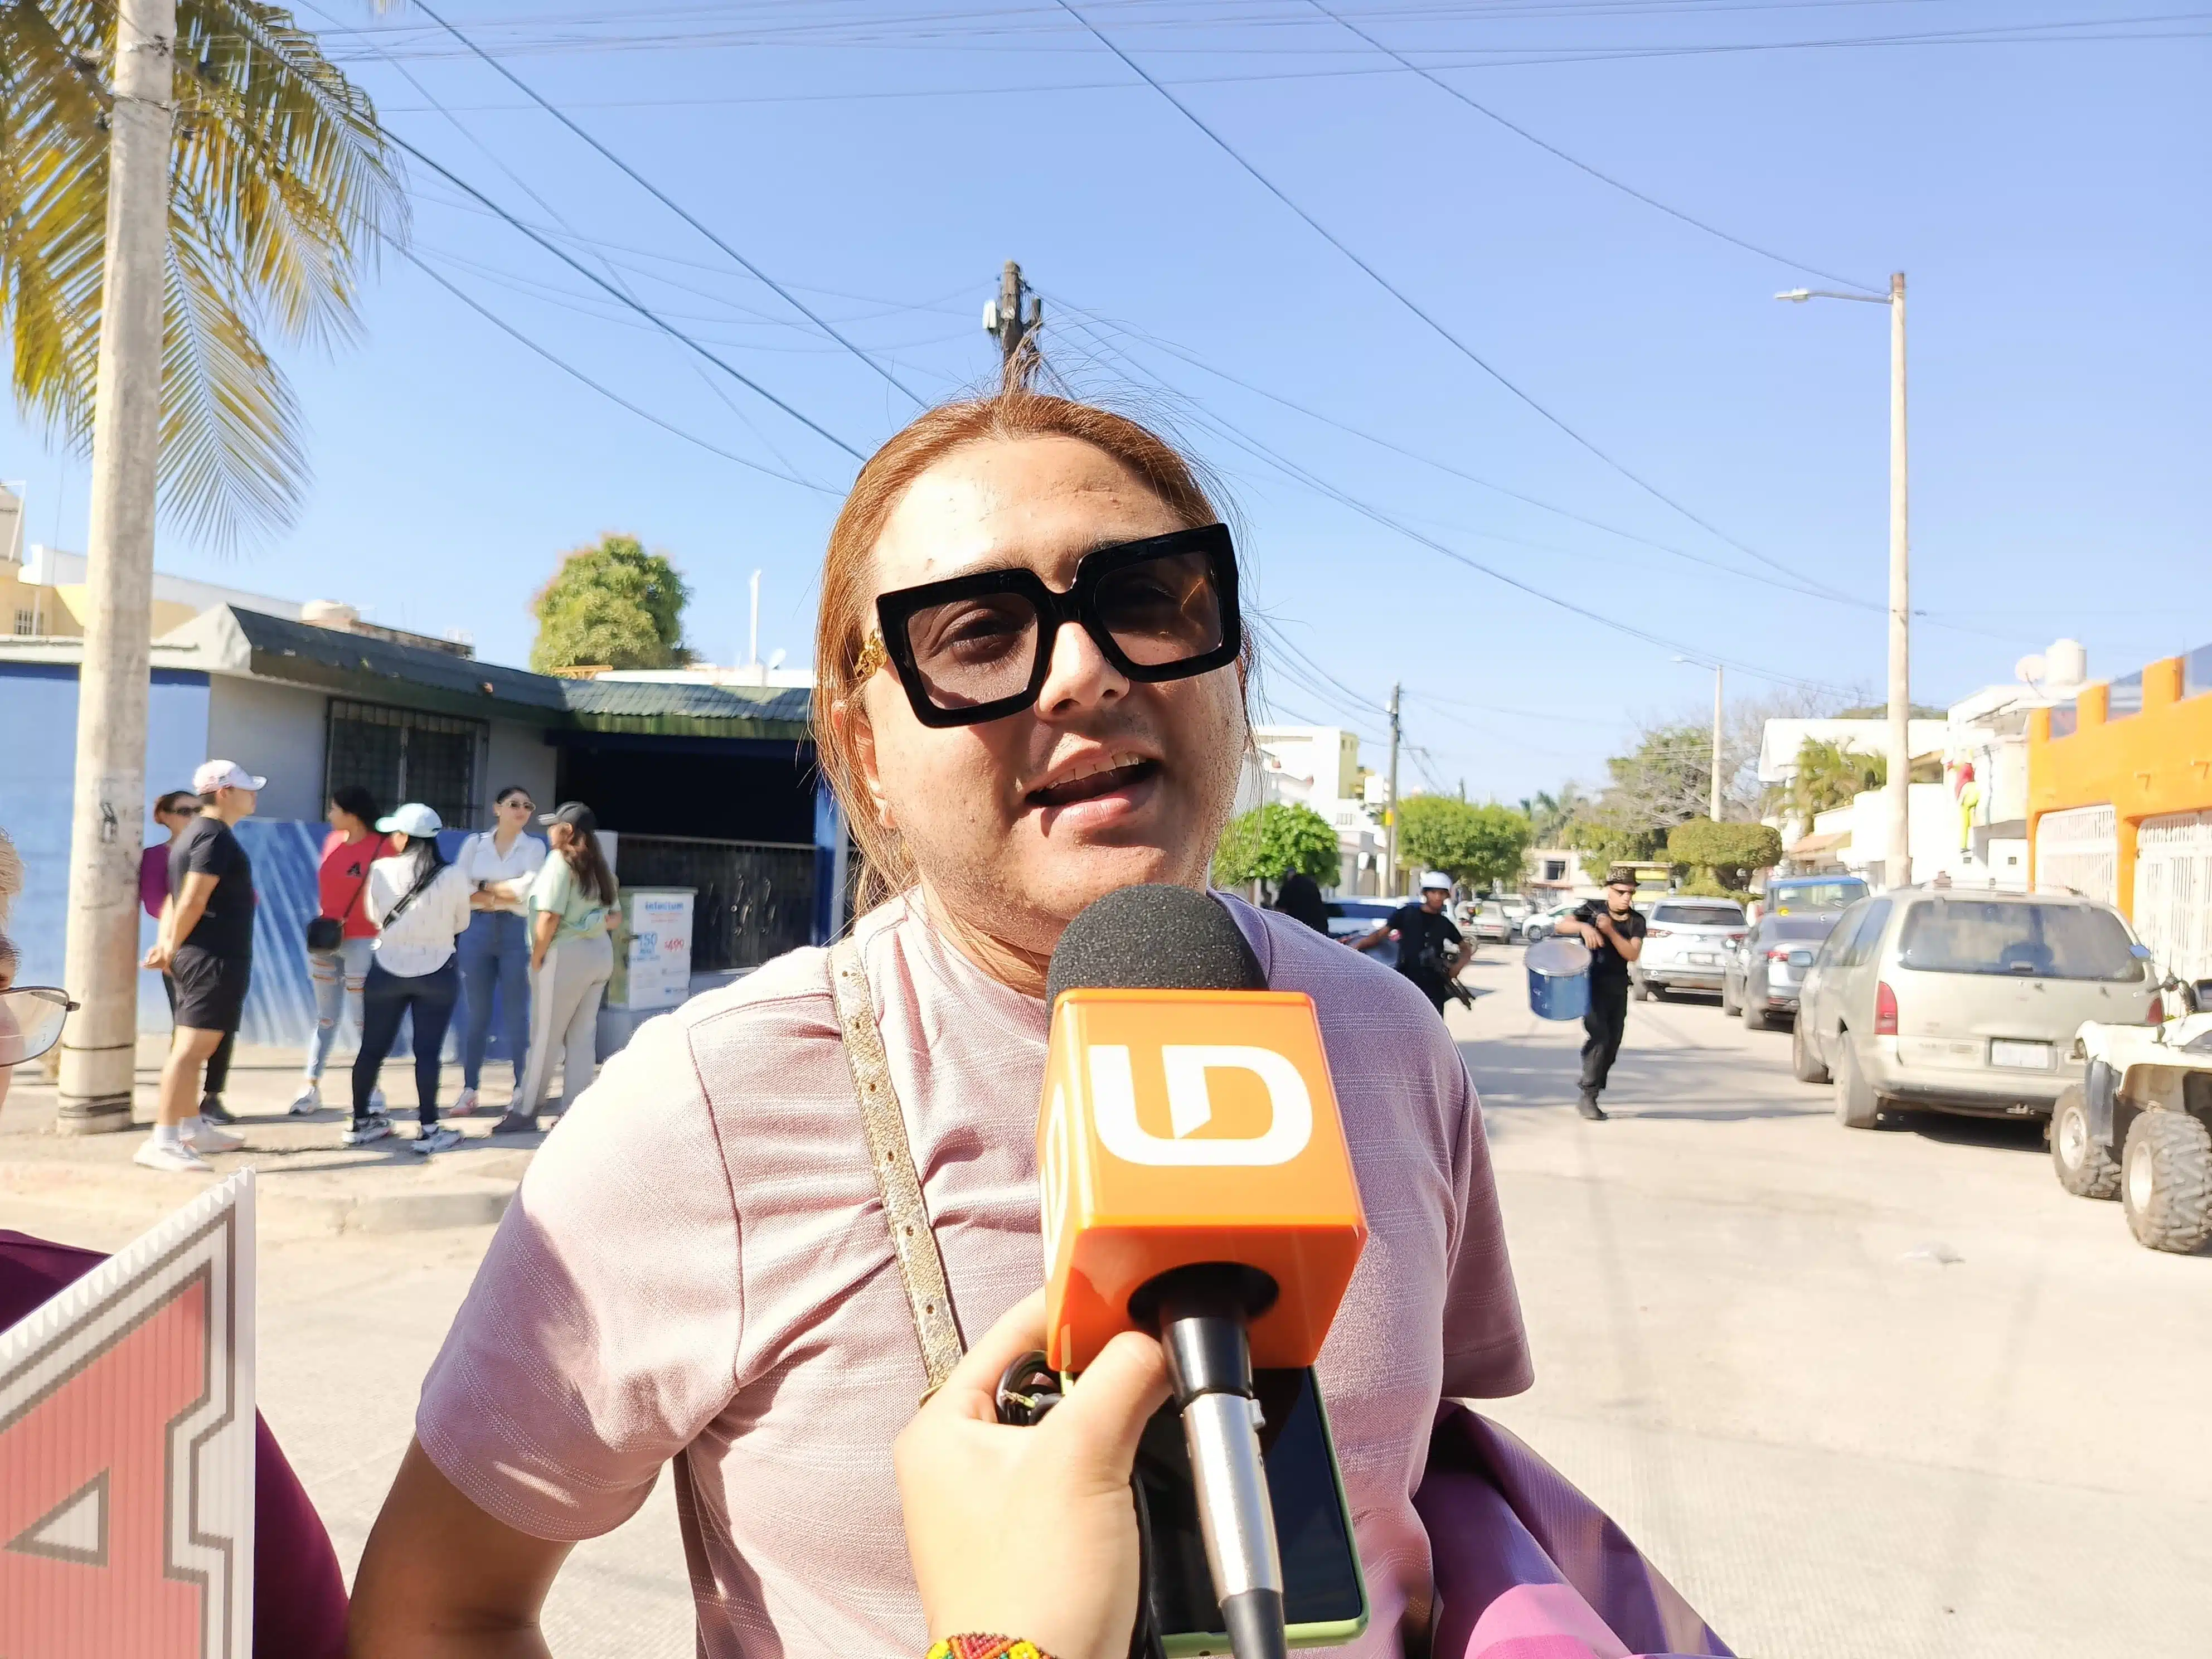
979, 647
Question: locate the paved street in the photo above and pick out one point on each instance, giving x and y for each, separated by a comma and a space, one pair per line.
1889, 1394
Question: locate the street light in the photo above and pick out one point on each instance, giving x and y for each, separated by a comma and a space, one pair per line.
1899, 872
1698, 662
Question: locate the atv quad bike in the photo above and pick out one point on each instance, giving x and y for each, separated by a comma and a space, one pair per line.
2138, 1127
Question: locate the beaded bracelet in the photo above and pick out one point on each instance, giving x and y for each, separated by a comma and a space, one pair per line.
986, 1647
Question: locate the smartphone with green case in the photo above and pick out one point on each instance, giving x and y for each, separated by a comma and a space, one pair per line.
1324, 1590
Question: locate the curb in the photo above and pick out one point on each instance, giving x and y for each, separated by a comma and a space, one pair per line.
470, 1204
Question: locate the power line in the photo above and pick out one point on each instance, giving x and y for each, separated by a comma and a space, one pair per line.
1385, 283
662, 196
613, 397
1172, 350
1551, 149
647, 312
1299, 474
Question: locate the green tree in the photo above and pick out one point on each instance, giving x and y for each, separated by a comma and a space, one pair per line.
615, 605
282, 188
1482, 846
1268, 842
1723, 856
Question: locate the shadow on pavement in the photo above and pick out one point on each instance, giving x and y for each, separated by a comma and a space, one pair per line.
1515, 1075
2003, 1135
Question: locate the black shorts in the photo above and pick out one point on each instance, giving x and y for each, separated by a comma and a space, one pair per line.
211, 988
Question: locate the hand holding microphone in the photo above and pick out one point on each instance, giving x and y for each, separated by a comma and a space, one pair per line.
1030, 1531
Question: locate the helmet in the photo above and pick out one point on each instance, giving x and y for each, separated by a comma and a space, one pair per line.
1436, 879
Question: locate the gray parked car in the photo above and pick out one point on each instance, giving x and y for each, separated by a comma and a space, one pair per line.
1964, 1002
1760, 978
1685, 944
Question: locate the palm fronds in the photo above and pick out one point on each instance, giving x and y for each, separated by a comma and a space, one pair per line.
281, 192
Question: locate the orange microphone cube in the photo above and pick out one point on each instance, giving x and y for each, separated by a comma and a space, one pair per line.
1186, 1127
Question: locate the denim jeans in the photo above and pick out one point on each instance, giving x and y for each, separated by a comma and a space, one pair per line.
494, 952
385, 999
337, 976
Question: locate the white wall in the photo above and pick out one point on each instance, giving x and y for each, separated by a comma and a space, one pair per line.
519, 754
276, 732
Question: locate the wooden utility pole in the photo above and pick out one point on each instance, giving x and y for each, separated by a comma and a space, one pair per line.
99, 1056
1014, 327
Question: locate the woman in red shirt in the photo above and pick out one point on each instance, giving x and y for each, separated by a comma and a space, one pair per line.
348, 851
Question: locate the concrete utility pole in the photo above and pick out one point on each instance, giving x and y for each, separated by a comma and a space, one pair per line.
1390, 817
1004, 320
1898, 865
99, 1056
1900, 608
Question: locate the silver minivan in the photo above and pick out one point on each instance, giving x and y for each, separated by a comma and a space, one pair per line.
1963, 1001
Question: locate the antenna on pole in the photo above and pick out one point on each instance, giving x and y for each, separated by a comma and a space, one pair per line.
752, 633
1014, 326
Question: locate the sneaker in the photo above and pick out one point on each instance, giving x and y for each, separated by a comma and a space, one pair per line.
436, 1138
364, 1130
514, 1124
1589, 1107
465, 1106
171, 1160
310, 1099
202, 1136
214, 1111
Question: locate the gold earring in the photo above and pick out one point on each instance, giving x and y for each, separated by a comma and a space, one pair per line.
872, 656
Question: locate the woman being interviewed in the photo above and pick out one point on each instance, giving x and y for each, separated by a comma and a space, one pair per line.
1029, 693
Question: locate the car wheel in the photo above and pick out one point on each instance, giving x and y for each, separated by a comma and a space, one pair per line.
1804, 1066
1857, 1106
1728, 1004
2085, 1169
2166, 1181
1645, 990
1755, 1015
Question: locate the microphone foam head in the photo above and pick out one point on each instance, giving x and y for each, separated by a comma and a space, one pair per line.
1155, 938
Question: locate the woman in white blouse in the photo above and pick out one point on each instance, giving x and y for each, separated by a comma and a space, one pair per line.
420, 904
499, 864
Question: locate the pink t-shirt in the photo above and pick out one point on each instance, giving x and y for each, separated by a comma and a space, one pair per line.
697, 1269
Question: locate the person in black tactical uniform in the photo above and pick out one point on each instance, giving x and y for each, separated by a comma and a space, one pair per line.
1614, 930
1430, 950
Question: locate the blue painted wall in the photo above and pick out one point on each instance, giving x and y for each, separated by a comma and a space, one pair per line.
38, 762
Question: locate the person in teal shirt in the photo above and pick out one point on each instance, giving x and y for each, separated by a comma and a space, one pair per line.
571, 959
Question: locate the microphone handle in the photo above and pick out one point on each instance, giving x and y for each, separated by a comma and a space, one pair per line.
1202, 1330
1236, 1522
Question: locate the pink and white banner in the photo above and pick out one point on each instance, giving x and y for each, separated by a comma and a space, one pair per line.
127, 1450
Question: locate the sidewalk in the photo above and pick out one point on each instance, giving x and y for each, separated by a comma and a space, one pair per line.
306, 1182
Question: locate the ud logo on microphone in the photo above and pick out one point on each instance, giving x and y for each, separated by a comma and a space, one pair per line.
1190, 1106
1213, 1108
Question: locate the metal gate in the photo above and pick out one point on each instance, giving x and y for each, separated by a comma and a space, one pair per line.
2173, 892
754, 899
2079, 849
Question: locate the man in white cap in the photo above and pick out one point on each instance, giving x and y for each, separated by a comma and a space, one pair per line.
1430, 950
205, 945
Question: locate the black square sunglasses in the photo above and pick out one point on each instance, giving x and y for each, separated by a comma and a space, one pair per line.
979, 647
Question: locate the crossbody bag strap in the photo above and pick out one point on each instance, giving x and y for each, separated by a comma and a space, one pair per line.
913, 1242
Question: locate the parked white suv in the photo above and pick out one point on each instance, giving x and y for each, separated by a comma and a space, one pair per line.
1687, 945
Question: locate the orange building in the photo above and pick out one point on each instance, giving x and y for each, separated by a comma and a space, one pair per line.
2119, 803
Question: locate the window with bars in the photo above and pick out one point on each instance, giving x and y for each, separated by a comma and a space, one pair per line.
399, 755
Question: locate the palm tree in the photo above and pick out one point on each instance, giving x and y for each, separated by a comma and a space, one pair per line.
282, 188
1831, 774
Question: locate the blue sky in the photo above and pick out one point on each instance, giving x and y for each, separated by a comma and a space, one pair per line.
2043, 187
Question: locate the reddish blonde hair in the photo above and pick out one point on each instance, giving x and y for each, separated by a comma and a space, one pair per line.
847, 614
